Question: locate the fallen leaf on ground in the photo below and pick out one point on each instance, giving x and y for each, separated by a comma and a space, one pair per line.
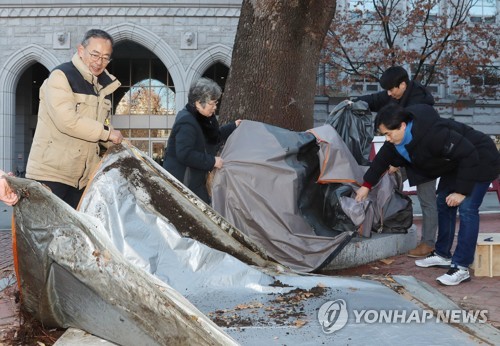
299, 323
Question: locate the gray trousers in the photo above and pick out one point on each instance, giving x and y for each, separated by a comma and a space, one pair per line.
426, 194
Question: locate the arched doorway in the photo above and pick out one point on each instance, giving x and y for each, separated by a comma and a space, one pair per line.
27, 102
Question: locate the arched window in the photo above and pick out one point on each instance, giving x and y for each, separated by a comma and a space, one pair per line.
147, 87
218, 72
148, 96
145, 101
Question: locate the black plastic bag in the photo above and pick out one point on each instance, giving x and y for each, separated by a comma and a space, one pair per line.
333, 214
353, 122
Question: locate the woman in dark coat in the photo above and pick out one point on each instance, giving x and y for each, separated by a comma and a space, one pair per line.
195, 136
466, 160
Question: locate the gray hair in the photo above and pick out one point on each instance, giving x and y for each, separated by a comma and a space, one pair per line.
96, 33
204, 90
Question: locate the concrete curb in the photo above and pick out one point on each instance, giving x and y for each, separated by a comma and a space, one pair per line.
435, 300
380, 245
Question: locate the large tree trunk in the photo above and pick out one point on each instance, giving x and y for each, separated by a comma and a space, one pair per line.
272, 78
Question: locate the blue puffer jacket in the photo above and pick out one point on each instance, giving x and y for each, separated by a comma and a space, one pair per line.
444, 148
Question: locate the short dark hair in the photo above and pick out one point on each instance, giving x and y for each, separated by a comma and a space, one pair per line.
391, 116
96, 33
204, 90
393, 77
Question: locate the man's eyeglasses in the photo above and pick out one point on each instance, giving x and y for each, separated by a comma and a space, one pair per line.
95, 57
212, 103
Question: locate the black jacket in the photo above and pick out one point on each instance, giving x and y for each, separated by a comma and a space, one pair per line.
191, 148
414, 94
444, 148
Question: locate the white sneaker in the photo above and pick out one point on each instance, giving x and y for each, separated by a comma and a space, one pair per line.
433, 260
454, 276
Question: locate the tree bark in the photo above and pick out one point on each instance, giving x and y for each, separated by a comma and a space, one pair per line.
275, 59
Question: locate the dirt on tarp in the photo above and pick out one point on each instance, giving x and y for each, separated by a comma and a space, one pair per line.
168, 206
287, 309
164, 204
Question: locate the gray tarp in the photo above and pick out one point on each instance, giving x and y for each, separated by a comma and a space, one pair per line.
99, 270
258, 191
274, 188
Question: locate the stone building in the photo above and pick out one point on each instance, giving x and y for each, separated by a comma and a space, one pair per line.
161, 47
480, 111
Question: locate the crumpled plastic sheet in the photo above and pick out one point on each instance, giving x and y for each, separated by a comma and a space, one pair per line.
99, 270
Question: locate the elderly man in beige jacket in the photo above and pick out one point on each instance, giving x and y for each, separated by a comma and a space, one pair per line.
73, 118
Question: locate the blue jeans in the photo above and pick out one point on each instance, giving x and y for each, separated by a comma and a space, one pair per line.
468, 229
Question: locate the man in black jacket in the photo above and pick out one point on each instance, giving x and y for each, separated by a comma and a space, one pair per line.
398, 89
466, 161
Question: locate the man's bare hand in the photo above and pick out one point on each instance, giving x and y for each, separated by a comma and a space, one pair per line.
362, 193
454, 199
115, 136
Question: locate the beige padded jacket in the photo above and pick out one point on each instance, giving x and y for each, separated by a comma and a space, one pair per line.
72, 116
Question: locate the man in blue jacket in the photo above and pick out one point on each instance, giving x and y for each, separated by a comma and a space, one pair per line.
466, 161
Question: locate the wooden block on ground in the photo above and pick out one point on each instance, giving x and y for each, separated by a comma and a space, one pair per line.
487, 257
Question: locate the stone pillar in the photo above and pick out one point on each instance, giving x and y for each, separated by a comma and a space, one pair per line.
321, 110
7, 131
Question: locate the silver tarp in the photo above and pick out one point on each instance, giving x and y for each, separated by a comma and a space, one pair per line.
71, 275
127, 268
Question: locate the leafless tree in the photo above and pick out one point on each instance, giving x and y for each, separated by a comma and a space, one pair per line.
436, 38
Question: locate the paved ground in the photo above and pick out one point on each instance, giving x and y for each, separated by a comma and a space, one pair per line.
9, 315
478, 294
